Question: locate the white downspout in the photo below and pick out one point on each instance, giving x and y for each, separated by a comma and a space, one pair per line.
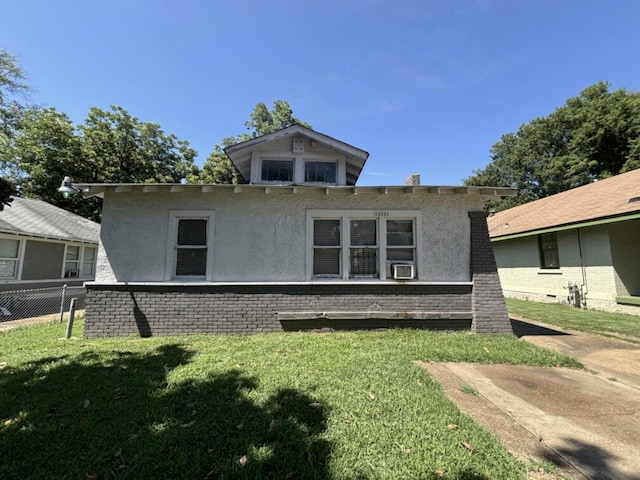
584, 289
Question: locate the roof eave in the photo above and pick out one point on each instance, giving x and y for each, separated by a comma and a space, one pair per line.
567, 226
486, 193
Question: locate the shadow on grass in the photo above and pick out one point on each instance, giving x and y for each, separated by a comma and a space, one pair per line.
118, 415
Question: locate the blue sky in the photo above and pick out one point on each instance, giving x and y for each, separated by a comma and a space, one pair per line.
423, 85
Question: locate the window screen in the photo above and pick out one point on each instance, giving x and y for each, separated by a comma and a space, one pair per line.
400, 241
326, 247
191, 254
192, 232
363, 262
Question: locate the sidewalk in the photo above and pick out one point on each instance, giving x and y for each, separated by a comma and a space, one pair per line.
586, 422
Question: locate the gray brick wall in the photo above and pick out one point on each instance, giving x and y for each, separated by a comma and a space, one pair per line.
118, 310
489, 308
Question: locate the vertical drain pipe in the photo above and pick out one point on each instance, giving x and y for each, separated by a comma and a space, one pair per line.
584, 288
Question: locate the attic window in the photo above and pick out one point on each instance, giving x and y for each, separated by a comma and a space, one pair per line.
277, 170
321, 172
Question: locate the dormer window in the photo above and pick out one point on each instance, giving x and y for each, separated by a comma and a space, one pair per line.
320, 172
277, 170
297, 155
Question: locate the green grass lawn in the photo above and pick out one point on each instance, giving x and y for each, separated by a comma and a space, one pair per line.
602, 323
334, 406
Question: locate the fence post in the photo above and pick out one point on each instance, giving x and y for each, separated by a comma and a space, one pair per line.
72, 314
64, 291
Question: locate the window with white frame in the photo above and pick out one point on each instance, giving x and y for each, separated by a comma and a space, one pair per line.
363, 251
277, 170
9, 255
363, 244
401, 243
72, 262
89, 262
326, 247
320, 172
79, 261
190, 236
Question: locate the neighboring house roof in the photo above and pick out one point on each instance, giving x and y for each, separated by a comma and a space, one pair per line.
240, 153
617, 197
35, 218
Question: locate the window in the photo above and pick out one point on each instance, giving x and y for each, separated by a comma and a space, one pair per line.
321, 172
361, 244
189, 254
326, 248
72, 262
89, 262
79, 261
277, 170
549, 251
9, 254
191, 247
363, 254
401, 248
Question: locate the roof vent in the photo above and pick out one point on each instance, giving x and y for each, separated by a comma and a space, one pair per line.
413, 179
634, 199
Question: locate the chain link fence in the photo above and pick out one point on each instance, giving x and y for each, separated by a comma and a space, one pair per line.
38, 305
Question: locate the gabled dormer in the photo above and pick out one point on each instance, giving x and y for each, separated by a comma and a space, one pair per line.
297, 155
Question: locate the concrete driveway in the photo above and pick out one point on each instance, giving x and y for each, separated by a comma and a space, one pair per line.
585, 422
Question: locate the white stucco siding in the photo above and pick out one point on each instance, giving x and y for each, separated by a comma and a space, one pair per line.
520, 273
133, 245
261, 236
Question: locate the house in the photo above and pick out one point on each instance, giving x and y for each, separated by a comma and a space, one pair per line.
299, 246
42, 245
581, 246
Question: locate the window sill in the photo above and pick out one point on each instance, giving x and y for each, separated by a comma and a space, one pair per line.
311, 282
549, 271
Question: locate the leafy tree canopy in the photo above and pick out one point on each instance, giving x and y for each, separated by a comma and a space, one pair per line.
110, 146
592, 136
12, 86
218, 167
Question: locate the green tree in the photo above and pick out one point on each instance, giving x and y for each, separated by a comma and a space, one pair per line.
592, 136
122, 149
46, 149
110, 147
12, 85
218, 167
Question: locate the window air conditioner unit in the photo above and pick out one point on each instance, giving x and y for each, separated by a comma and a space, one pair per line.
402, 271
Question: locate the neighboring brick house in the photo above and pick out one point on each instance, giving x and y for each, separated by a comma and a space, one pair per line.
581, 246
42, 245
299, 246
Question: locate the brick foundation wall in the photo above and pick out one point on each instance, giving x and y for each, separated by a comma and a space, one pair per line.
166, 309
